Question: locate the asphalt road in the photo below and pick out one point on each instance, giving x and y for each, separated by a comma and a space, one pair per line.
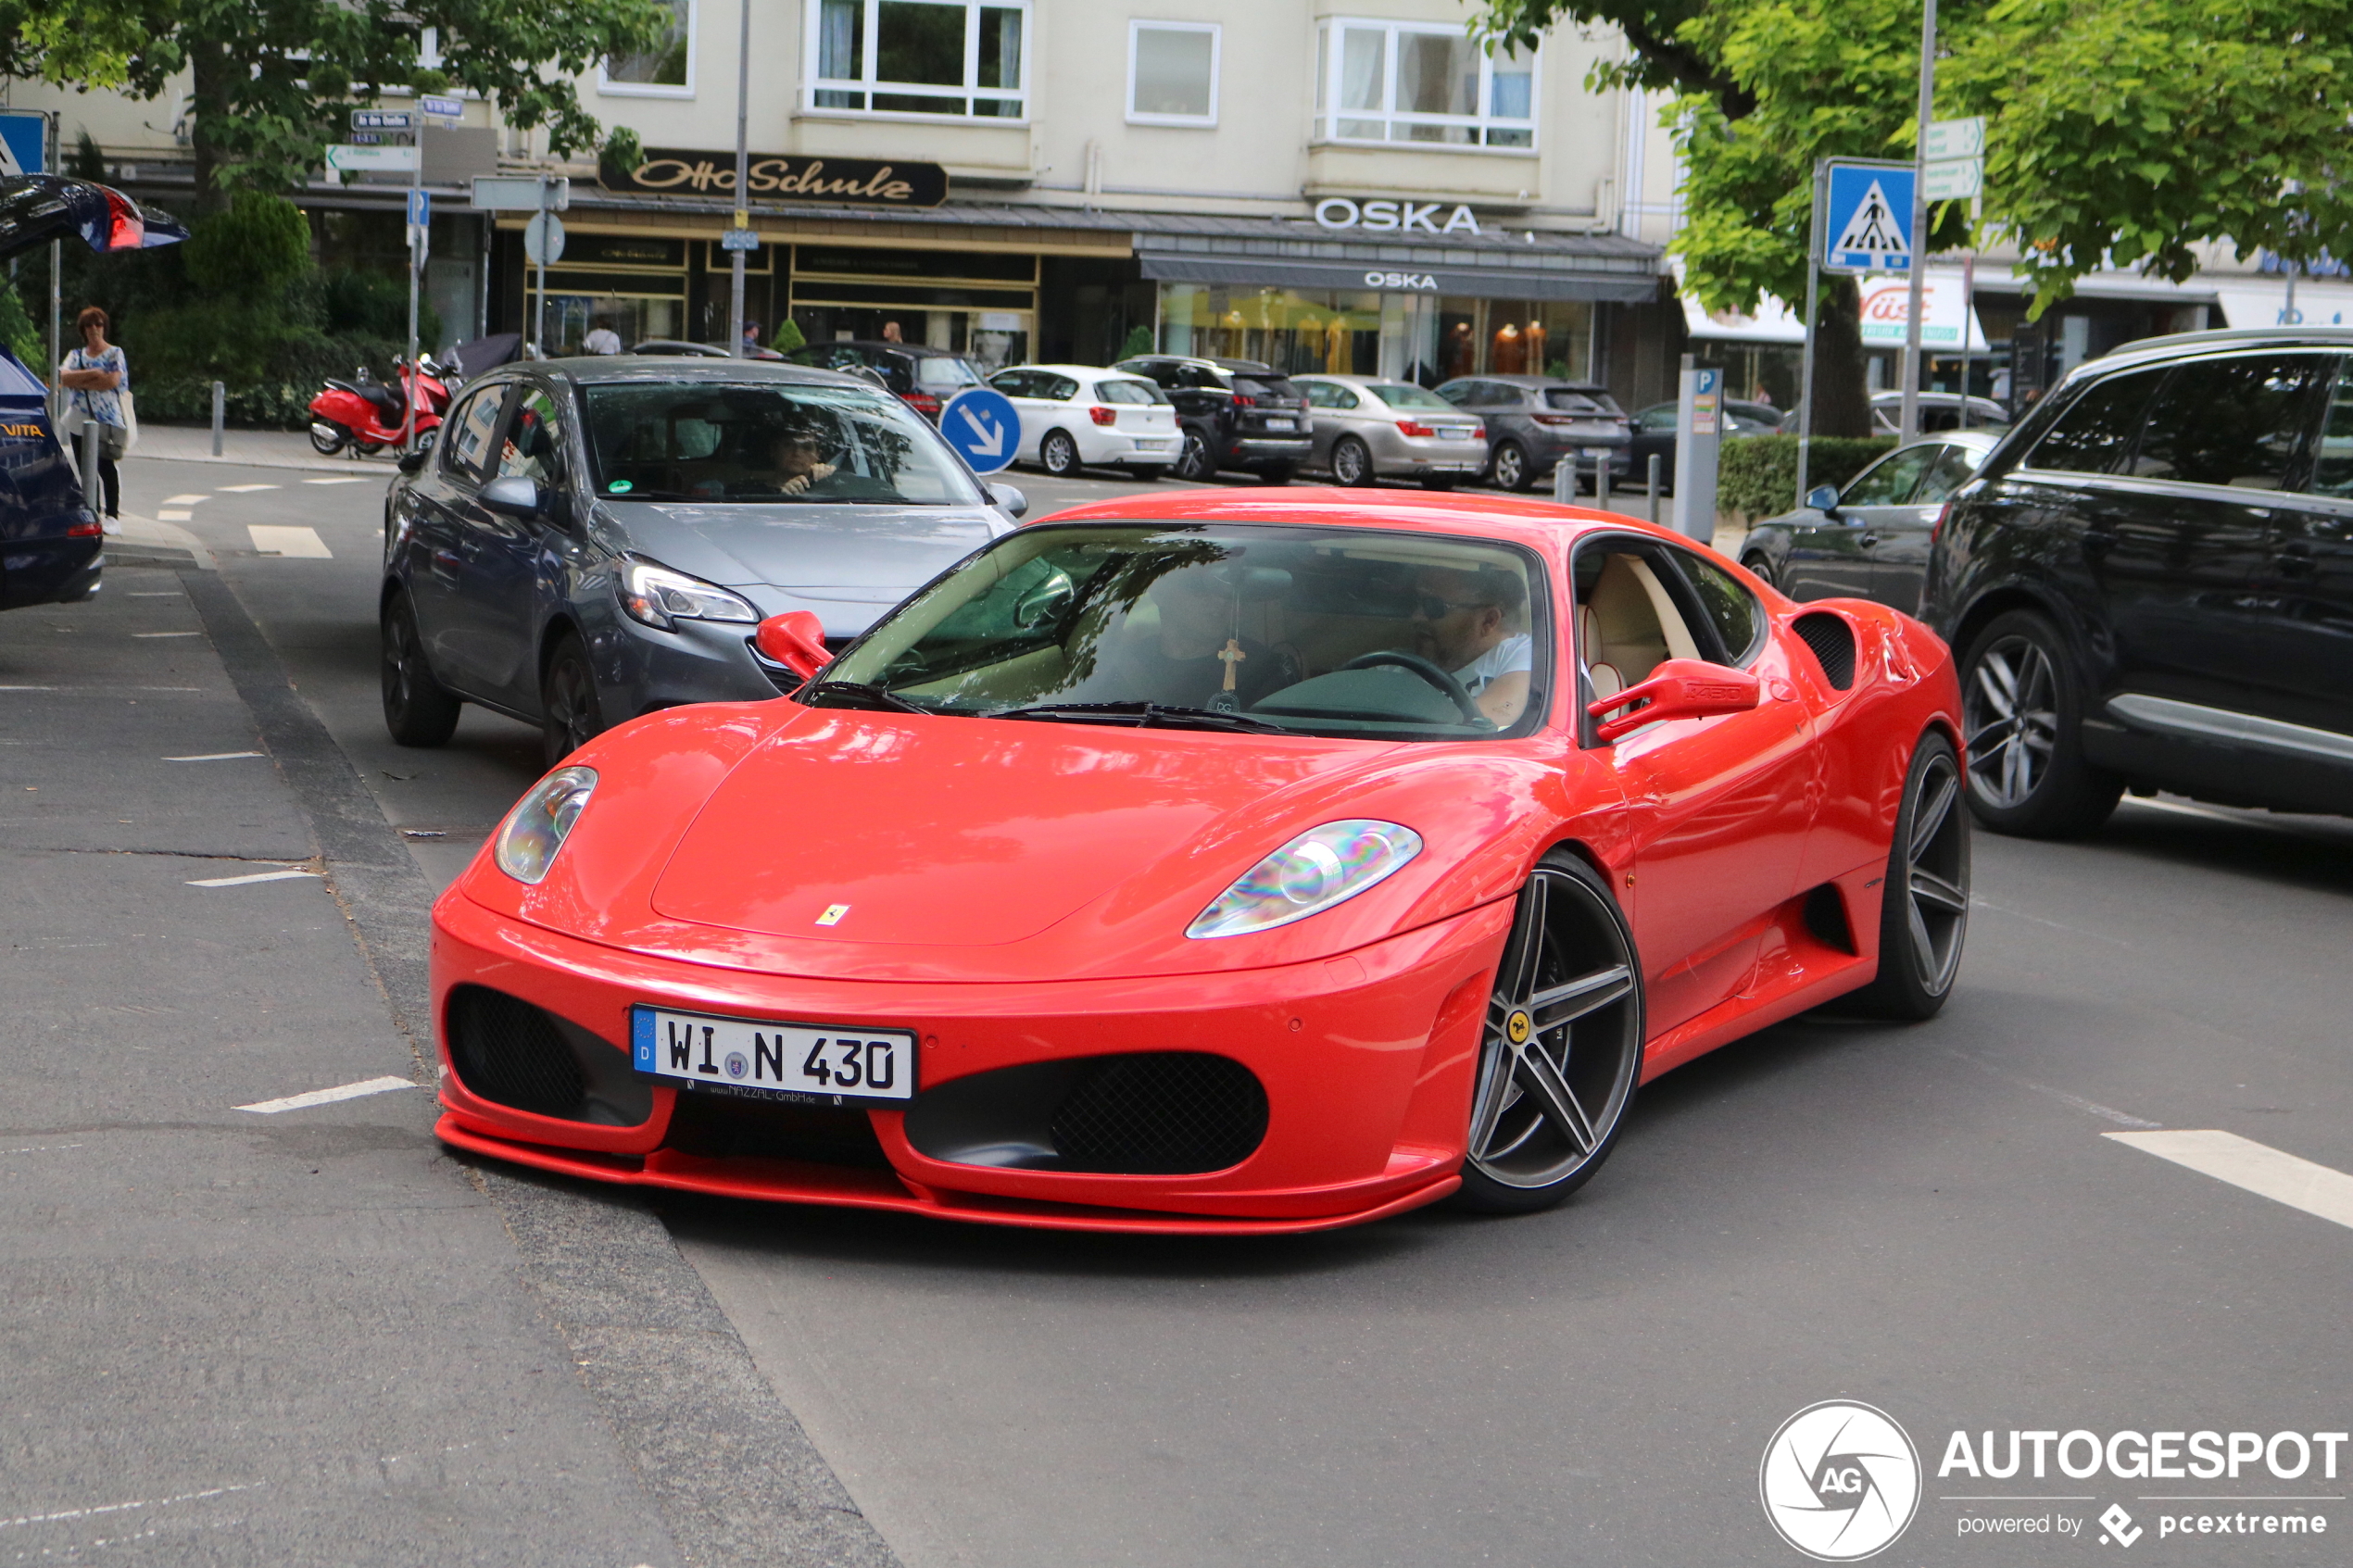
1937, 1221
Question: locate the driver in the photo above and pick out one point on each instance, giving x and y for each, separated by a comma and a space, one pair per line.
1474, 624
798, 457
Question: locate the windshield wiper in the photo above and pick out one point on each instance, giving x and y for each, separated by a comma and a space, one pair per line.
1145, 715
860, 694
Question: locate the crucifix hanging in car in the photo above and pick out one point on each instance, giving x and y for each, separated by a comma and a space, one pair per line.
1226, 701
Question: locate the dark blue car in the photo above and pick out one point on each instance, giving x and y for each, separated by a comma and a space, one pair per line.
51, 542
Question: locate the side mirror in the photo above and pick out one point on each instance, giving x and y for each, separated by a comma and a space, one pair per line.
1823, 498
796, 640
1007, 499
512, 496
1681, 688
413, 462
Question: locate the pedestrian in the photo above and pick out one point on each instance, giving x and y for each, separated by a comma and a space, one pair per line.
890, 332
97, 377
751, 338
602, 339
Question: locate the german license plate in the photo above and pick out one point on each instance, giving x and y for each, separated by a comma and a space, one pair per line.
1600, 452
1281, 424
812, 1063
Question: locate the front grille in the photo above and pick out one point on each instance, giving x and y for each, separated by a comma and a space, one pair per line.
509, 1053
1832, 641
1161, 1113
708, 1121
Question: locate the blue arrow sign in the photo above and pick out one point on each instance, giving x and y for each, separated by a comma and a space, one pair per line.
980, 422
1867, 217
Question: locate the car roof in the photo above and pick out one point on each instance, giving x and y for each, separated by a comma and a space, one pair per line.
1546, 382
1545, 526
1099, 371
920, 350
2179, 344
607, 370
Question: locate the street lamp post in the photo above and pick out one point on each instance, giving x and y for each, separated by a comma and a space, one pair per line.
743, 176
1911, 426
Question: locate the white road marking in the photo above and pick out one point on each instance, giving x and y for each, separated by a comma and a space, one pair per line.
184, 500
327, 1096
341, 479
28, 688
242, 489
173, 514
158, 594
214, 756
249, 881
2258, 1168
120, 1507
41, 1148
167, 633
304, 542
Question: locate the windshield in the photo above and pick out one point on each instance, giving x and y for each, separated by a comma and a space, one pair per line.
1342, 632
768, 442
1405, 395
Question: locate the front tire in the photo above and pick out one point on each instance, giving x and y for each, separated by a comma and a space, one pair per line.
1351, 462
1924, 901
1194, 465
568, 700
1510, 467
1057, 454
2022, 711
418, 710
1561, 1050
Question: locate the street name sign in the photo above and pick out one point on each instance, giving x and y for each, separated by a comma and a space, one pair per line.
1867, 218
518, 193
383, 120
979, 422
1954, 179
441, 108
738, 239
1954, 138
349, 158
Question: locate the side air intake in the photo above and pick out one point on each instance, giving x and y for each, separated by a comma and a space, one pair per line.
1832, 641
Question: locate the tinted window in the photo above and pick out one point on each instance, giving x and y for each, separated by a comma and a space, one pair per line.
1661, 417
1569, 401
1888, 482
1729, 607
1127, 391
469, 444
2230, 421
1266, 389
1949, 473
1013, 383
2332, 464
1061, 389
2097, 430
1198, 376
765, 442
1459, 394
945, 372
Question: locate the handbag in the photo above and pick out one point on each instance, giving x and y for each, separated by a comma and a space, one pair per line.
130, 419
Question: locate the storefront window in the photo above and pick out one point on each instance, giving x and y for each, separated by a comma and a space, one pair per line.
1411, 337
1408, 82
667, 68
920, 56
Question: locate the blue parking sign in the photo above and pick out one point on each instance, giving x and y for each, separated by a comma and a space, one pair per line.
1867, 217
980, 422
24, 142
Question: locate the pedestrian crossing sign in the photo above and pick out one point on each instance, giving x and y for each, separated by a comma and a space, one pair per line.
1867, 217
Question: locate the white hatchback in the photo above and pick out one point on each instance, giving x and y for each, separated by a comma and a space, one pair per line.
1082, 416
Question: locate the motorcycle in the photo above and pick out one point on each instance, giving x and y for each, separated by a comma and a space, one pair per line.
365, 413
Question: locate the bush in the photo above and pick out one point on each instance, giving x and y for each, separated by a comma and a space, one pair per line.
353, 304
789, 336
1757, 476
1140, 341
18, 333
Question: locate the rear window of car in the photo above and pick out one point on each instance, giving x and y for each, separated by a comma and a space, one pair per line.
1569, 401
1405, 395
936, 372
1278, 388
1129, 392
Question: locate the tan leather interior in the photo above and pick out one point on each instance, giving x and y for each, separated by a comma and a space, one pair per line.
1628, 626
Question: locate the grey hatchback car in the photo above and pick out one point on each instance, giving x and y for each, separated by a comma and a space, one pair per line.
593, 539
1535, 422
1870, 540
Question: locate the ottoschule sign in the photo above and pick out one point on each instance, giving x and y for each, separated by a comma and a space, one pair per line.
772, 178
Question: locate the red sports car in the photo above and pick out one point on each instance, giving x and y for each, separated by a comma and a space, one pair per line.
1214, 863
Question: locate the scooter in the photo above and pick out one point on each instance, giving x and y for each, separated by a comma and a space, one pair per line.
366, 414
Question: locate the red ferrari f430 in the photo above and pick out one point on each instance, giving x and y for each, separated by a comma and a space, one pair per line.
1214, 863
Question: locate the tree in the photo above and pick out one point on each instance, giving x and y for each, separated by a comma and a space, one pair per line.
2123, 131
92, 44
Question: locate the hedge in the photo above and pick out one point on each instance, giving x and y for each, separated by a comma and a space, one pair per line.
1757, 476
269, 406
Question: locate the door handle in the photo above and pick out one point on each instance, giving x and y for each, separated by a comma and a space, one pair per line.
1867, 540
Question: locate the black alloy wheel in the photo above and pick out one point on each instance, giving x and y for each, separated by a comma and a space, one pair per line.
327, 438
1059, 454
1510, 467
1924, 901
418, 709
568, 700
1352, 464
2022, 715
1194, 465
1561, 1049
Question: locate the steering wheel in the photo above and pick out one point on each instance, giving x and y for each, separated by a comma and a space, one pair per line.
1445, 683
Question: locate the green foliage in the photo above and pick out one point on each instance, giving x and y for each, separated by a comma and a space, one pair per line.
253, 247
789, 336
92, 44
1140, 341
18, 330
1757, 476
86, 162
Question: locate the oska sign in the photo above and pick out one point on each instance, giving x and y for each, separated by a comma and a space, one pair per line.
823, 182
1388, 217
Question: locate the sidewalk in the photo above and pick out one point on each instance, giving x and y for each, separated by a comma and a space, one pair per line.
248, 449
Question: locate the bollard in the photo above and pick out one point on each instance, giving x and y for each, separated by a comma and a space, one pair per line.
1601, 483
93, 489
1565, 480
219, 414
1653, 490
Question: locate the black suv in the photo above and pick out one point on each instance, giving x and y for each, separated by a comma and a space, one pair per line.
2150, 585
1234, 413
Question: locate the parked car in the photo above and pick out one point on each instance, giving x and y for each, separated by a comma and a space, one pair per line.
55, 542
1939, 411
1870, 540
1535, 422
2150, 585
597, 538
1075, 417
924, 379
699, 350
1367, 428
1654, 436
1233, 414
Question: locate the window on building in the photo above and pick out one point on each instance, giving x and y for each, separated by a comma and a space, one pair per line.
962, 57
667, 69
1172, 73
1411, 81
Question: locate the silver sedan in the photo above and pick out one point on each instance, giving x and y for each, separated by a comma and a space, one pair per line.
1367, 428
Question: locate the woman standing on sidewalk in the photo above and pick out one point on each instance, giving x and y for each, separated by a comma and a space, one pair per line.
96, 375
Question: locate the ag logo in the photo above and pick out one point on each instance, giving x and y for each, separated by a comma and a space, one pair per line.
1839, 1481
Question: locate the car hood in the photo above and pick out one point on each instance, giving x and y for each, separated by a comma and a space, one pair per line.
888, 551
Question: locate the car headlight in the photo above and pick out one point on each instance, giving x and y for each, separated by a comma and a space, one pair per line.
538, 825
658, 596
1322, 866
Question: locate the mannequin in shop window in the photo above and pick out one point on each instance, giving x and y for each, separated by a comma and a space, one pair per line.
1508, 352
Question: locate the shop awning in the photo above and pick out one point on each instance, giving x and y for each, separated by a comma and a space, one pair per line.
2264, 303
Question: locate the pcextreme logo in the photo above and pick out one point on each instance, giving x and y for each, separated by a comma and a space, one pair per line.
1841, 1481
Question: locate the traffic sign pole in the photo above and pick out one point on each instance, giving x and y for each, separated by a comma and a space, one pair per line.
1911, 426
743, 176
419, 222
539, 313
1812, 304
